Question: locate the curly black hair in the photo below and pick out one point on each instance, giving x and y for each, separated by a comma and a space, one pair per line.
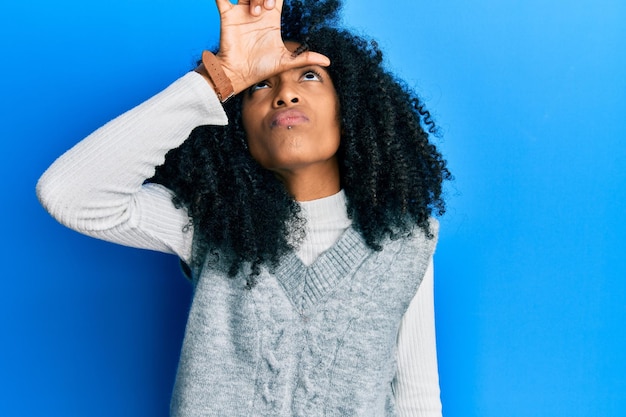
391, 173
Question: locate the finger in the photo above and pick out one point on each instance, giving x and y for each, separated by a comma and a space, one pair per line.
256, 7
310, 58
269, 4
304, 59
223, 5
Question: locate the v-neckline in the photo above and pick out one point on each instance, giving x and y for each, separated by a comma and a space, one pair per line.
307, 285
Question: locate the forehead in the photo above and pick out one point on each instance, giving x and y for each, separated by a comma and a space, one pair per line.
292, 45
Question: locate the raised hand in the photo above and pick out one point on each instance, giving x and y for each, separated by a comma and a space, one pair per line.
251, 46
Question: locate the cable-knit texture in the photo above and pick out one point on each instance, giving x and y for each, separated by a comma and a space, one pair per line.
86, 190
316, 340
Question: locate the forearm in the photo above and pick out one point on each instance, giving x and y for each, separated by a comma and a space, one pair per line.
94, 186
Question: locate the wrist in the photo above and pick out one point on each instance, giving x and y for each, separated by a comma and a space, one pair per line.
238, 82
211, 69
202, 71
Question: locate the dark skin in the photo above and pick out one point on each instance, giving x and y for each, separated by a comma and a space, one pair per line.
290, 109
293, 129
244, 205
251, 47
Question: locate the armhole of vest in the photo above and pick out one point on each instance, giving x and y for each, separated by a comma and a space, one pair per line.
185, 269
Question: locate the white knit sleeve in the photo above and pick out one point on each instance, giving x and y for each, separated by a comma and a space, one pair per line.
97, 187
417, 384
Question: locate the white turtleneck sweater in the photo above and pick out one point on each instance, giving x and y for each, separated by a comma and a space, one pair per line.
97, 188
417, 358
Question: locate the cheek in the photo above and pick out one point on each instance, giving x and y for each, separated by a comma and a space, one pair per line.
250, 125
253, 134
246, 120
336, 120
335, 110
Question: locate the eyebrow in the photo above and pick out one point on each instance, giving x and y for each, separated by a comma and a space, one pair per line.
300, 49
248, 91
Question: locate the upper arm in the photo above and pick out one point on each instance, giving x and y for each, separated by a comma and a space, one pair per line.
416, 386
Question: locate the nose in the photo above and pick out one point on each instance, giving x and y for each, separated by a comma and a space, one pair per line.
286, 95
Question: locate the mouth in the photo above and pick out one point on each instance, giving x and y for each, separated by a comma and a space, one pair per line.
288, 118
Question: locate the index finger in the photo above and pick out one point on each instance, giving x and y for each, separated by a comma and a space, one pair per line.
257, 6
312, 58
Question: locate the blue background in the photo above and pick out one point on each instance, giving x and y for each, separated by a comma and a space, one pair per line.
530, 288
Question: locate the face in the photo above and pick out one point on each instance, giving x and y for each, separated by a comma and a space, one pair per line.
292, 119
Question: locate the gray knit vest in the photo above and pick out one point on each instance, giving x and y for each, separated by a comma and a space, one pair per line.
316, 340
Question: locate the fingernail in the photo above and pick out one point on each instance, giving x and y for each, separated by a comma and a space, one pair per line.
270, 4
257, 10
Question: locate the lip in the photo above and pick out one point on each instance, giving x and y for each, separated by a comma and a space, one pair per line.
288, 117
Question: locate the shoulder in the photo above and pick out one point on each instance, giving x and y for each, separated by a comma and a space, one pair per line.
414, 249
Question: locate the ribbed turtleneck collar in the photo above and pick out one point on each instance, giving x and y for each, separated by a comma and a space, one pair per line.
331, 209
326, 220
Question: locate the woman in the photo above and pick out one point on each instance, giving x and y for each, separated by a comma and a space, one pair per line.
298, 189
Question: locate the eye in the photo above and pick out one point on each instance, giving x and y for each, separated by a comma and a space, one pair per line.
259, 86
311, 75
